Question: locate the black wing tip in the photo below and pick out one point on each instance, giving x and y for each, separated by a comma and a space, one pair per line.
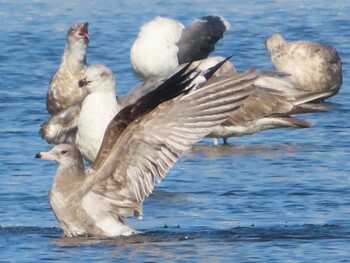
216, 67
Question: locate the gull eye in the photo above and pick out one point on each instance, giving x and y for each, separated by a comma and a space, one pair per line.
64, 152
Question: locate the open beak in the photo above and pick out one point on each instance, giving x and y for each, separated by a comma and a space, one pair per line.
83, 30
83, 82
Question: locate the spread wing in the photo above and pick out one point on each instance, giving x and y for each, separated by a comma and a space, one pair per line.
149, 146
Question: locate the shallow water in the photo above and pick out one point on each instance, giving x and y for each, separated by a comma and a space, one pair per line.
277, 196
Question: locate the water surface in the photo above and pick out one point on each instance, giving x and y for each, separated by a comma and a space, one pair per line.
277, 196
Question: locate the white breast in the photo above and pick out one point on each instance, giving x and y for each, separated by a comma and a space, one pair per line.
97, 111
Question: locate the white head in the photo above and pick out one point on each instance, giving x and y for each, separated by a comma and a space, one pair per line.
98, 78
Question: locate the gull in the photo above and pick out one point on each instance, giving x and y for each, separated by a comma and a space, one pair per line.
164, 43
140, 145
63, 91
315, 69
97, 110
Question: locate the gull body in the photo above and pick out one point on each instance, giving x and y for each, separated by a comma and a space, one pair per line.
164, 43
140, 145
315, 69
98, 109
63, 91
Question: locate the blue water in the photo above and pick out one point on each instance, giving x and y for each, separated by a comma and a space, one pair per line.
277, 196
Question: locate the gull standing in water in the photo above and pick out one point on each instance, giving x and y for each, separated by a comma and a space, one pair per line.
140, 145
315, 69
63, 91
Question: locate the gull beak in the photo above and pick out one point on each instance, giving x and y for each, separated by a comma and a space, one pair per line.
44, 155
83, 82
83, 31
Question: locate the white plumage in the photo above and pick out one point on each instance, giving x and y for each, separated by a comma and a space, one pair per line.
154, 52
98, 109
164, 43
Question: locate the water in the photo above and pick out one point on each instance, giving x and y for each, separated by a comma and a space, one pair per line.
277, 196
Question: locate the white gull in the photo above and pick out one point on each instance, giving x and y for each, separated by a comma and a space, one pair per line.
164, 43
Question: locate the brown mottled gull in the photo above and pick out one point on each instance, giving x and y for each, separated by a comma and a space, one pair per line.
141, 144
315, 69
63, 91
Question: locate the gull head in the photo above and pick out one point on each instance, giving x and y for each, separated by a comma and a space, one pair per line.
274, 42
78, 33
65, 154
98, 78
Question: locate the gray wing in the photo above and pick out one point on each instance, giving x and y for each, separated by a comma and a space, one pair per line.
61, 127
150, 146
198, 40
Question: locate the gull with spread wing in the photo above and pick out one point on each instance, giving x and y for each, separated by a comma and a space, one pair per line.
140, 145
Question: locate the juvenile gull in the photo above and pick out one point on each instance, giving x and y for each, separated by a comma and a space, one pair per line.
316, 70
164, 43
141, 144
63, 91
